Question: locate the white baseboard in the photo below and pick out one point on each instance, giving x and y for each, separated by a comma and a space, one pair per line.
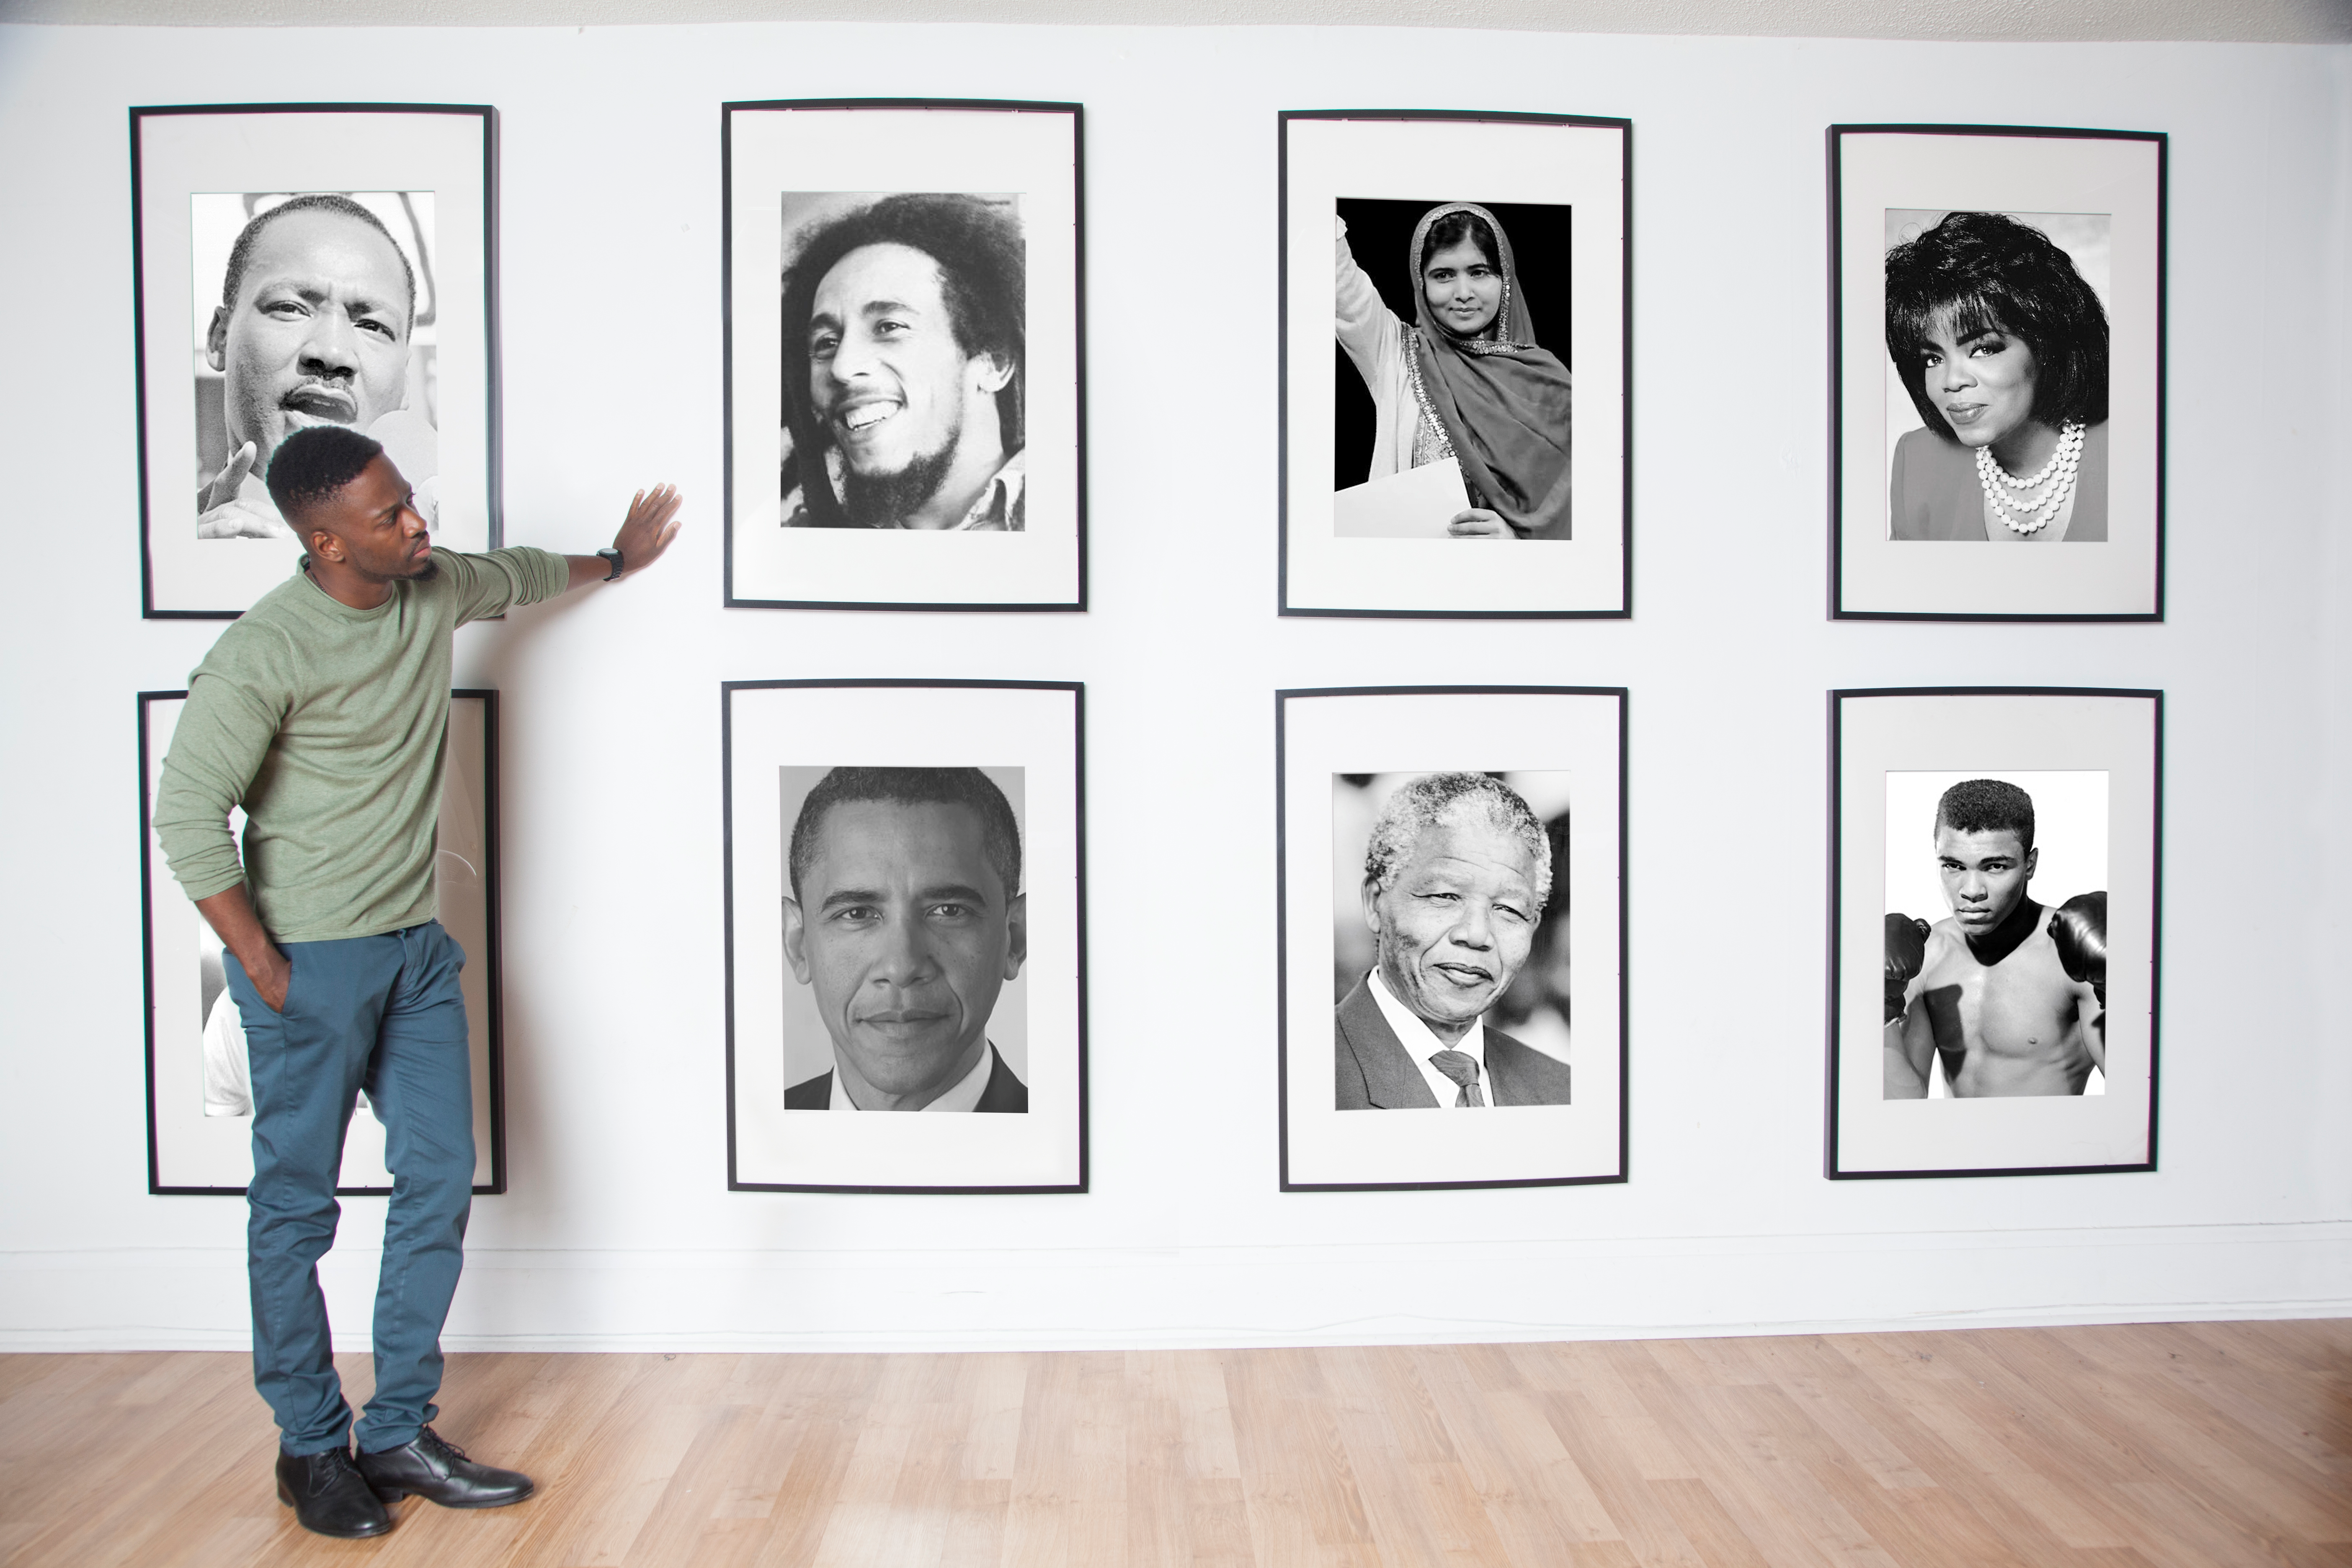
1218, 1297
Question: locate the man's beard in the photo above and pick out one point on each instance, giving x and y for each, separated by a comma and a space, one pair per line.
884, 500
424, 574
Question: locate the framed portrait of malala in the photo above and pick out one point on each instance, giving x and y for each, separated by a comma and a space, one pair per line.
1997, 372
1457, 364
298, 264
903, 285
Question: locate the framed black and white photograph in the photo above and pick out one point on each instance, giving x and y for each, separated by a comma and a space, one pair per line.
297, 265
199, 1091
1473, 387
1996, 868
1997, 372
1452, 916
905, 931
903, 285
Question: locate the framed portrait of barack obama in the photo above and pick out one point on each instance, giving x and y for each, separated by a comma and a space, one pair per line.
906, 932
1456, 361
199, 1079
1452, 893
903, 291
298, 264
1996, 868
1997, 349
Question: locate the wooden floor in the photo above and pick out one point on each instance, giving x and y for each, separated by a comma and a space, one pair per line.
2196, 1444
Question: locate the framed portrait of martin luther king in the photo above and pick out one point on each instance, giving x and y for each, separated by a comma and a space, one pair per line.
1452, 896
1457, 364
903, 288
906, 932
1997, 372
199, 1079
297, 264
1996, 870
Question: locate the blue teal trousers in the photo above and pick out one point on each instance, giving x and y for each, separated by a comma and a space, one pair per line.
384, 1014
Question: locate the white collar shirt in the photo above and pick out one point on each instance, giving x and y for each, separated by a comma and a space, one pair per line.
1421, 1044
962, 1096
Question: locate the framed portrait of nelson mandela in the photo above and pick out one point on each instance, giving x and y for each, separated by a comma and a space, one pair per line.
906, 932
1451, 894
1997, 365
307, 264
1996, 868
903, 288
199, 1086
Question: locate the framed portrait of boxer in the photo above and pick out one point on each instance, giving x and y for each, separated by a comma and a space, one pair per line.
1451, 876
906, 932
1995, 888
1456, 343
903, 287
199, 1091
307, 264
1997, 372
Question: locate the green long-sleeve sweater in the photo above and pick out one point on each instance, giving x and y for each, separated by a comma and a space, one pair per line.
328, 724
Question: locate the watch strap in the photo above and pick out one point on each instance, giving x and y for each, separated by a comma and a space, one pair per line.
613, 559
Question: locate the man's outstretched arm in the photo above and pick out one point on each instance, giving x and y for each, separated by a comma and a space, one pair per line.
645, 533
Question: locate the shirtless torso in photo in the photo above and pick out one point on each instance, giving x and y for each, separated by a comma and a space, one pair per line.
2001, 1011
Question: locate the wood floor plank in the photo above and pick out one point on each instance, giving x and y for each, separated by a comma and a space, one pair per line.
2158, 1446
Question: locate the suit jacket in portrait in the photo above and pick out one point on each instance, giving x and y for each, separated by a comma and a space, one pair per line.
1377, 1073
1005, 1093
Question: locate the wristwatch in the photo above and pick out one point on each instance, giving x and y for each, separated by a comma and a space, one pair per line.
613, 559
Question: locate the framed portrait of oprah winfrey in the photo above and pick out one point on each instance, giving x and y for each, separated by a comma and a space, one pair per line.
305, 263
902, 284
1451, 876
1996, 871
199, 1083
1996, 348
906, 932
1456, 361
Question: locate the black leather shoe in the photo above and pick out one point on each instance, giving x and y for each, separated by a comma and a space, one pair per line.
327, 1496
439, 1472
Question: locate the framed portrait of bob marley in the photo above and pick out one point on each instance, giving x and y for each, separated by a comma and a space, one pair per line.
307, 264
903, 288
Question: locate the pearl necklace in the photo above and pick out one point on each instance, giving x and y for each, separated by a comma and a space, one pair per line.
2004, 493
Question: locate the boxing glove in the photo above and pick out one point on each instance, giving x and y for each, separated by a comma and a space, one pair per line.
1907, 953
2078, 929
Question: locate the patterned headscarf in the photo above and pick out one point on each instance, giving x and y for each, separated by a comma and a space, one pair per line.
1502, 402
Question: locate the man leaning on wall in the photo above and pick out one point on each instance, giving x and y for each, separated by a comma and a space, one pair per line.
323, 712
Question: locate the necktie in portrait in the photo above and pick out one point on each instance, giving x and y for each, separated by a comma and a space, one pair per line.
1463, 1069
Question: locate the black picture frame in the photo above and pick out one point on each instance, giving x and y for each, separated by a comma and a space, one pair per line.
735, 595
728, 691
1620, 906
491, 959
1620, 527
1842, 944
141, 116
1842, 603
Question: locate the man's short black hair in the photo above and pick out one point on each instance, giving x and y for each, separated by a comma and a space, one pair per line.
241, 253
1982, 271
1988, 806
315, 462
983, 279
969, 787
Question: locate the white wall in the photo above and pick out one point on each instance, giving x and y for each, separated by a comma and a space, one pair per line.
618, 1228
